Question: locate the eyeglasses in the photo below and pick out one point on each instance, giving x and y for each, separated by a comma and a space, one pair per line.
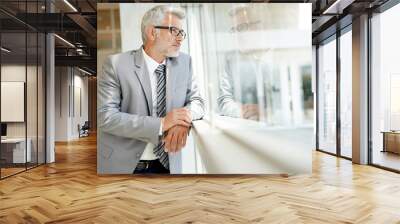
173, 30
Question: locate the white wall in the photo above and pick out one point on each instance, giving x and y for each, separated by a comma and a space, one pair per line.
80, 84
14, 73
61, 103
17, 73
33, 125
68, 83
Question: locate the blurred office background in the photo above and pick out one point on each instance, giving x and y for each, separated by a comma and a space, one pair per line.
48, 83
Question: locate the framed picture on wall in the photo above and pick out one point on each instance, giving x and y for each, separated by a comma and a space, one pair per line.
12, 101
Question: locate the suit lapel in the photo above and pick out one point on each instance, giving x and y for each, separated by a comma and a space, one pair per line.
171, 76
144, 79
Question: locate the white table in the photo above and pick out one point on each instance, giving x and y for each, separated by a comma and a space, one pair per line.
18, 148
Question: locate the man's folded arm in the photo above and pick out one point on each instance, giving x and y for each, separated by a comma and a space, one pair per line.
112, 120
226, 103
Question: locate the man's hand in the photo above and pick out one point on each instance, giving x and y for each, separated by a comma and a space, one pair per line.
179, 116
250, 111
176, 138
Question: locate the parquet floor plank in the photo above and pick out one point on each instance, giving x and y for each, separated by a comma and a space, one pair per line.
70, 191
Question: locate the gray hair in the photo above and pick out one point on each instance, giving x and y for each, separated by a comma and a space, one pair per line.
238, 7
156, 15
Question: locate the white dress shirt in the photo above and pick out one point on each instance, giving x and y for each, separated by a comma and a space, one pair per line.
151, 65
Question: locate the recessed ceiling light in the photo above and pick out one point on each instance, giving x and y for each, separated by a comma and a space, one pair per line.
64, 40
337, 7
70, 5
84, 71
5, 49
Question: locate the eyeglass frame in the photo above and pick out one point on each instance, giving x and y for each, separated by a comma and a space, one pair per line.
170, 28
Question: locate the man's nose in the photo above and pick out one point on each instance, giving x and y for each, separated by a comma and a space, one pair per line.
179, 38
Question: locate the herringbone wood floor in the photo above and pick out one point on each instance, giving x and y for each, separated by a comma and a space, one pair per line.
69, 191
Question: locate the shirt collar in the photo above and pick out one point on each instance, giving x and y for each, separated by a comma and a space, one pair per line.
151, 63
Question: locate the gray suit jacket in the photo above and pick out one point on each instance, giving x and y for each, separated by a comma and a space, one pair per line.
124, 107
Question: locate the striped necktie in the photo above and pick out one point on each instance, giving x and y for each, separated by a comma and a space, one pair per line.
161, 112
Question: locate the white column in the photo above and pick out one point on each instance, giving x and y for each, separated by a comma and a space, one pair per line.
50, 99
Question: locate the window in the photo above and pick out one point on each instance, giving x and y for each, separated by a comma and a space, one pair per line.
327, 97
258, 67
346, 94
385, 86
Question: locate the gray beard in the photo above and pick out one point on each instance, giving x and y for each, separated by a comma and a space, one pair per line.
173, 54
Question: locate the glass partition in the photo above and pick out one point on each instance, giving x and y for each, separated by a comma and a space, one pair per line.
41, 97
327, 96
22, 88
14, 152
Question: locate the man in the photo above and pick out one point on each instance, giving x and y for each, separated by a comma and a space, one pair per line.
147, 99
242, 85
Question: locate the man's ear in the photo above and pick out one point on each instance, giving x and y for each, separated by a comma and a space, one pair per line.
151, 33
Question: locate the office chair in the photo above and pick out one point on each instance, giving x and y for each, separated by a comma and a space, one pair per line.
84, 130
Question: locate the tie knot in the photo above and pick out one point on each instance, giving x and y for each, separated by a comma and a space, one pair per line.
160, 69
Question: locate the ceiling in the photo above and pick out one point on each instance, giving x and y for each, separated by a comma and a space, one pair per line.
72, 20
329, 16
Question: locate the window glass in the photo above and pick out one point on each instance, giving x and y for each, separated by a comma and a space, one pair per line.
346, 94
327, 97
386, 89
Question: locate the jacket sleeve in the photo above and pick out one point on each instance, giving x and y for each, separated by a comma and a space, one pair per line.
226, 103
110, 117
